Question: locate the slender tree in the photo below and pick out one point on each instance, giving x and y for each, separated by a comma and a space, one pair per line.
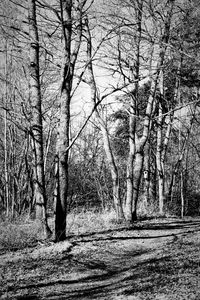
36, 129
63, 132
137, 157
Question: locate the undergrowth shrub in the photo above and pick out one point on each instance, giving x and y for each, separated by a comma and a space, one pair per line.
79, 222
19, 233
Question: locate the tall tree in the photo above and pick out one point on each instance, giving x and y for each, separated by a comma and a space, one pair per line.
185, 67
70, 53
134, 167
36, 129
136, 142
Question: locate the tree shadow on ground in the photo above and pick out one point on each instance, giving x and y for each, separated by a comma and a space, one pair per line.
164, 274
145, 278
88, 264
28, 297
107, 278
176, 224
109, 235
125, 273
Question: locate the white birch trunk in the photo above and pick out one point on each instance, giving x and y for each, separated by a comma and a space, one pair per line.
36, 122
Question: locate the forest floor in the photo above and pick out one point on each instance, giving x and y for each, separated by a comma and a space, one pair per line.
158, 260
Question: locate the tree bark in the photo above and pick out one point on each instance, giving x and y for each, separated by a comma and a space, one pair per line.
114, 171
138, 167
146, 175
132, 163
129, 169
5, 140
36, 123
159, 162
63, 131
182, 195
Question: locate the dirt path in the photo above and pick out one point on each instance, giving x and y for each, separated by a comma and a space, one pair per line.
150, 261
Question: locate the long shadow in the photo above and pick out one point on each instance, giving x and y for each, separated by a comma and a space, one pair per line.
126, 279
109, 279
97, 237
142, 276
28, 297
101, 266
164, 272
179, 224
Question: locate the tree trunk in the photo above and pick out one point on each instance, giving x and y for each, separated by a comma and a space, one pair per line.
138, 158
146, 175
131, 201
114, 173
5, 137
172, 186
178, 163
182, 195
36, 123
129, 170
6, 164
159, 163
61, 168
63, 131
137, 170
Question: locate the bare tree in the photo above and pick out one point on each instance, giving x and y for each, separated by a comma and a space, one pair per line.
137, 143
63, 132
36, 122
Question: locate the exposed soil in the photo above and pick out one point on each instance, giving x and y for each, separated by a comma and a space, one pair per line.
151, 260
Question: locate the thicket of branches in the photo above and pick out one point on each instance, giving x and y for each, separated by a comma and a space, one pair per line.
99, 108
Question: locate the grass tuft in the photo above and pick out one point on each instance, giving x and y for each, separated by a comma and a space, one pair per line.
90, 221
17, 235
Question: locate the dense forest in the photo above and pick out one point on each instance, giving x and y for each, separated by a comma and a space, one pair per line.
99, 109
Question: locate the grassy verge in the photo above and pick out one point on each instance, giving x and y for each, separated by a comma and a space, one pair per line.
24, 232
18, 235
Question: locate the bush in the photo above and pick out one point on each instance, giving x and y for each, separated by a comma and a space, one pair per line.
19, 233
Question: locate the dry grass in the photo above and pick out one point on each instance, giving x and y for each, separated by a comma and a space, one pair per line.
90, 221
17, 235
159, 262
24, 232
